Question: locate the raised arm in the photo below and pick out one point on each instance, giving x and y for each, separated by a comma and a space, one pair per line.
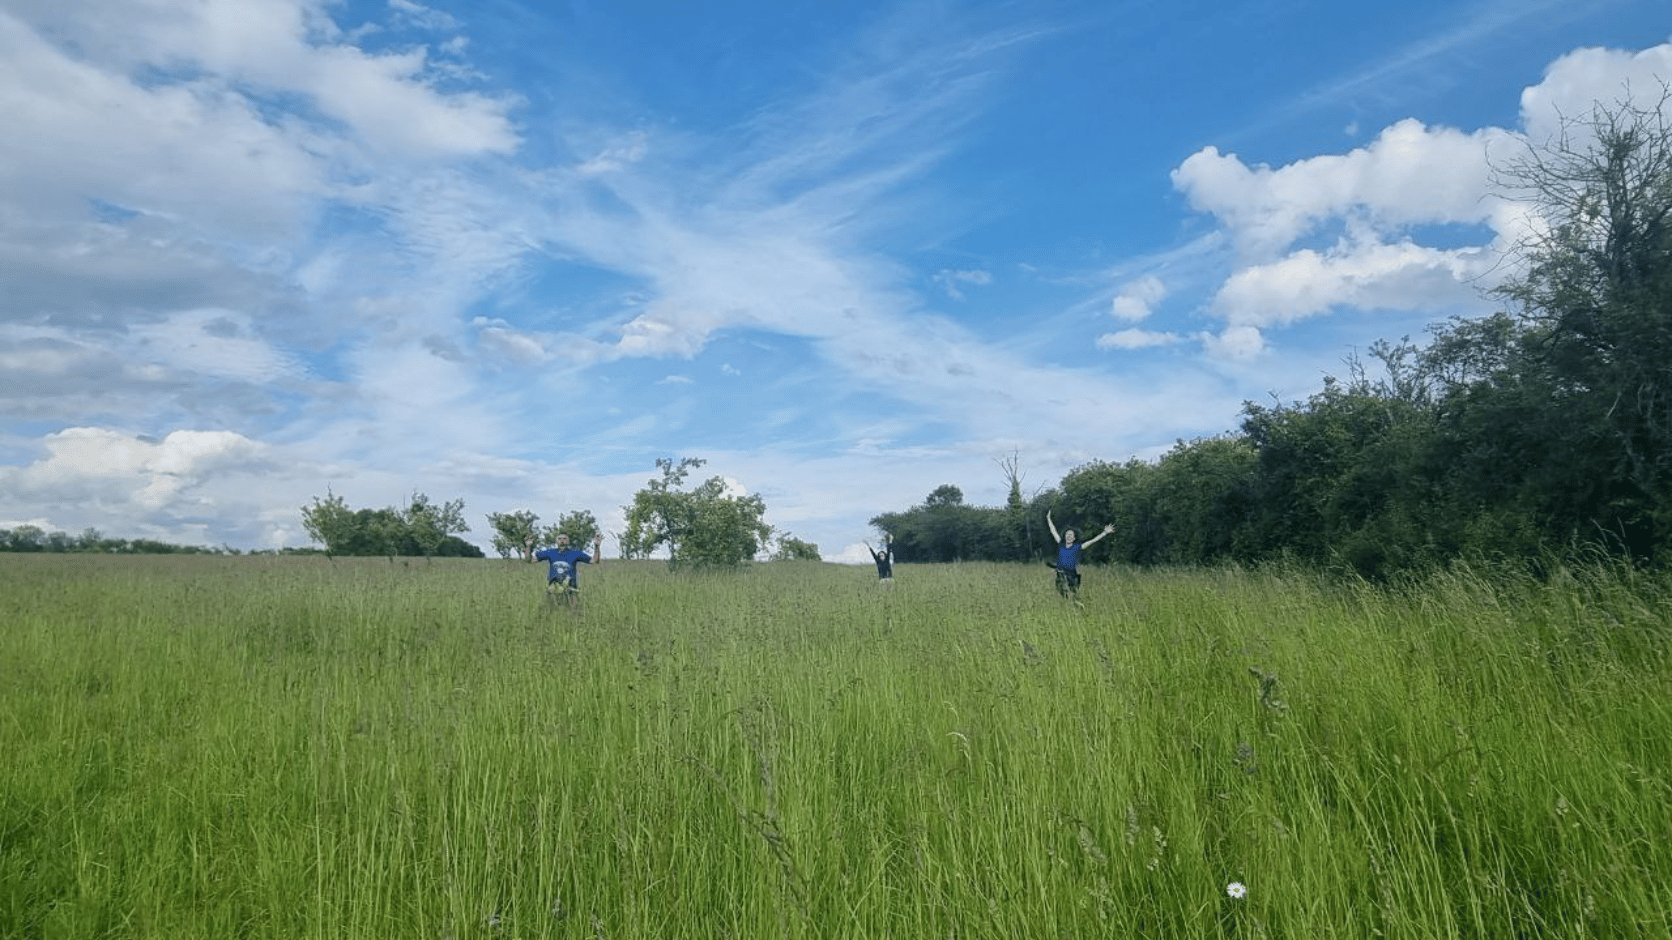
1054, 535
1106, 530
598, 549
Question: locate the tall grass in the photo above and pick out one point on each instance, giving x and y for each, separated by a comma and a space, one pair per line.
300, 748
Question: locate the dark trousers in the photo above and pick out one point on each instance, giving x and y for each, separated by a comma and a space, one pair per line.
1068, 582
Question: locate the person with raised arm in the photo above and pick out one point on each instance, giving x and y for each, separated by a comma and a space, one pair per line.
561, 575
1068, 557
884, 558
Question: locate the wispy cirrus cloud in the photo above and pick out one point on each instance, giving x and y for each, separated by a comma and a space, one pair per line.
1462, 27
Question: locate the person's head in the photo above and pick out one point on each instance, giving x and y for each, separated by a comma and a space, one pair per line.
562, 540
1068, 536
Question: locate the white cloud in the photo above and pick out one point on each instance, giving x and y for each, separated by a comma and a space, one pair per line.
1575, 83
1236, 343
424, 16
952, 281
618, 155
1137, 300
1410, 174
131, 475
1136, 339
214, 343
500, 339
1402, 276
1380, 204
186, 151
286, 47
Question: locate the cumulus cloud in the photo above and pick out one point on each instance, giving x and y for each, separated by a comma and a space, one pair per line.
124, 472
1401, 276
1577, 82
1137, 300
1235, 343
1410, 174
1355, 230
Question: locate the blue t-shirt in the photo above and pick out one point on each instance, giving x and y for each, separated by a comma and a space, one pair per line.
1068, 556
563, 562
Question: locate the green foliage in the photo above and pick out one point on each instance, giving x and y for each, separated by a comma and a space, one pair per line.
512, 531
422, 528
944, 496
579, 525
1593, 294
943, 528
1202, 496
704, 527
429, 525
791, 548
30, 538
515, 531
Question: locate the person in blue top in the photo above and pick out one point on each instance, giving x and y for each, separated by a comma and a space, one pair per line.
884, 558
1068, 557
561, 561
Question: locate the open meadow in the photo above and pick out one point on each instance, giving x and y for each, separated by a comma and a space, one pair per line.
300, 747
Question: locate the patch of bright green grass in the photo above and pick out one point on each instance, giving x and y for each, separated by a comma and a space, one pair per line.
364, 748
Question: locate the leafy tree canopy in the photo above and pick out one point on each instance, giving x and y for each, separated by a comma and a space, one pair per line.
422, 528
706, 526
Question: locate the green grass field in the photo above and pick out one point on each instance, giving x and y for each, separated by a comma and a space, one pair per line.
295, 747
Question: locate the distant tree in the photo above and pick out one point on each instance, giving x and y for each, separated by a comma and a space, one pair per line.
512, 531
1594, 296
791, 548
26, 538
1200, 499
578, 524
703, 527
944, 495
1015, 507
329, 521
423, 528
429, 525
942, 528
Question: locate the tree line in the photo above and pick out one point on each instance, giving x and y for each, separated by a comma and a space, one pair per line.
704, 525
32, 538
1544, 428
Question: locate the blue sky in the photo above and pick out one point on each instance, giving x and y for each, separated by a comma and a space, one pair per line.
512, 252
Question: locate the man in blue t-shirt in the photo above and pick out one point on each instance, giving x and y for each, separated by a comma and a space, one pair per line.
561, 574
1068, 557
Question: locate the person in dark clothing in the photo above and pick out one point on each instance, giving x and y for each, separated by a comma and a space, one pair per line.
884, 558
